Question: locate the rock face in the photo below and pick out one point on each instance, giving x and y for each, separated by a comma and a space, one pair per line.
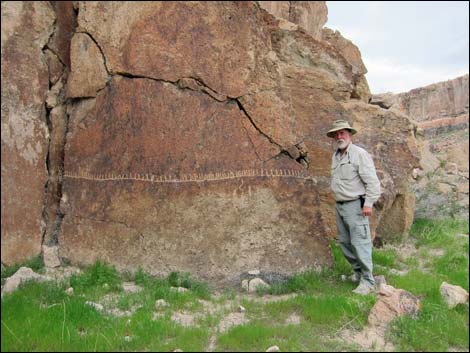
441, 113
309, 15
195, 138
26, 27
353, 56
436, 101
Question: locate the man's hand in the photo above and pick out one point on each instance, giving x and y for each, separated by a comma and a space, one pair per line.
367, 211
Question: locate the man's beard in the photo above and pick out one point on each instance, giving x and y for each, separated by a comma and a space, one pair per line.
341, 144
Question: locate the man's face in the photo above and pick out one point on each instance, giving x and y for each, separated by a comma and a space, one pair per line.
343, 138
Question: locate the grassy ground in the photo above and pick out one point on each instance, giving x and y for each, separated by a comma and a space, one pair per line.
42, 317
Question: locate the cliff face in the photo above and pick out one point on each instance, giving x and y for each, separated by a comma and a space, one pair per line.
447, 99
191, 136
441, 113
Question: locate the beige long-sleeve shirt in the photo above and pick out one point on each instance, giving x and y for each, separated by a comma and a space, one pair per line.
353, 174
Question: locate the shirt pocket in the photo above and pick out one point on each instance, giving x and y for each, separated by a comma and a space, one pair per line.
347, 171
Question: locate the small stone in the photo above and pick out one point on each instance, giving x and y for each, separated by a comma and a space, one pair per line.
380, 279
69, 291
179, 289
97, 306
254, 272
245, 284
241, 309
273, 349
453, 295
127, 338
256, 283
161, 303
131, 287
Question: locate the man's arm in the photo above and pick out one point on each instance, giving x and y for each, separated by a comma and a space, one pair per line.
371, 182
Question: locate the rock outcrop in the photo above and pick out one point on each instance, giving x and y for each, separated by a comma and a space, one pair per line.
191, 136
447, 99
309, 15
441, 113
26, 28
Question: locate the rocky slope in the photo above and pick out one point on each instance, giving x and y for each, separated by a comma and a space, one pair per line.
185, 136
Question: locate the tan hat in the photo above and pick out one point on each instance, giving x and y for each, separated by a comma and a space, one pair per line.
340, 125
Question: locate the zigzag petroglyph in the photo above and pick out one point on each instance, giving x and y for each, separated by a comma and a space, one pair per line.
193, 178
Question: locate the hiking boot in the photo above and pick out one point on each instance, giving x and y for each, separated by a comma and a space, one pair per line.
355, 277
364, 288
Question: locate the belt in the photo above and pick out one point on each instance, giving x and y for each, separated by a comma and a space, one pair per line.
341, 202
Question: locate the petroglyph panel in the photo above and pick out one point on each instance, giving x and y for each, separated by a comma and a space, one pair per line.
194, 178
177, 181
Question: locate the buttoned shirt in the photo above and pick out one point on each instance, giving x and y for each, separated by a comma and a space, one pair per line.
353, 175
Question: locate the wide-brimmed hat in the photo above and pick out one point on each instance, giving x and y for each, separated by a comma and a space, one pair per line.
340, 125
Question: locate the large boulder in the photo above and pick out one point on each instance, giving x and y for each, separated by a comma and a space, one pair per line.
206, 150
26, 28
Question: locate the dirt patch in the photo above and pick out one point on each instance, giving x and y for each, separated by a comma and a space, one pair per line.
371, 338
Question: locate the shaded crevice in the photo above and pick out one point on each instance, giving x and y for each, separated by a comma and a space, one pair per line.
240, 106
57, 125
46, 47
105, 63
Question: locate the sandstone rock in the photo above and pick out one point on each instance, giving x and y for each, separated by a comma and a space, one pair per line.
23, 274
384, 100
392, 303
50, 256
257, 283
439, 100
88, 73
196, 139
219, 131
441, 111
26, 28
353, 56
310, 15
453, 295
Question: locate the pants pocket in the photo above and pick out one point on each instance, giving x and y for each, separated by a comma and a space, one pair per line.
362, 231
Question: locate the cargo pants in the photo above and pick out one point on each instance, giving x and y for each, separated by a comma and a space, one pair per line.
354, 238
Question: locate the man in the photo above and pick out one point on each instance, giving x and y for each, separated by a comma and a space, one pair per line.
356, 188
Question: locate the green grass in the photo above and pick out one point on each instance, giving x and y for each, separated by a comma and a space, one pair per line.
258, 337
437, 328
42, 317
